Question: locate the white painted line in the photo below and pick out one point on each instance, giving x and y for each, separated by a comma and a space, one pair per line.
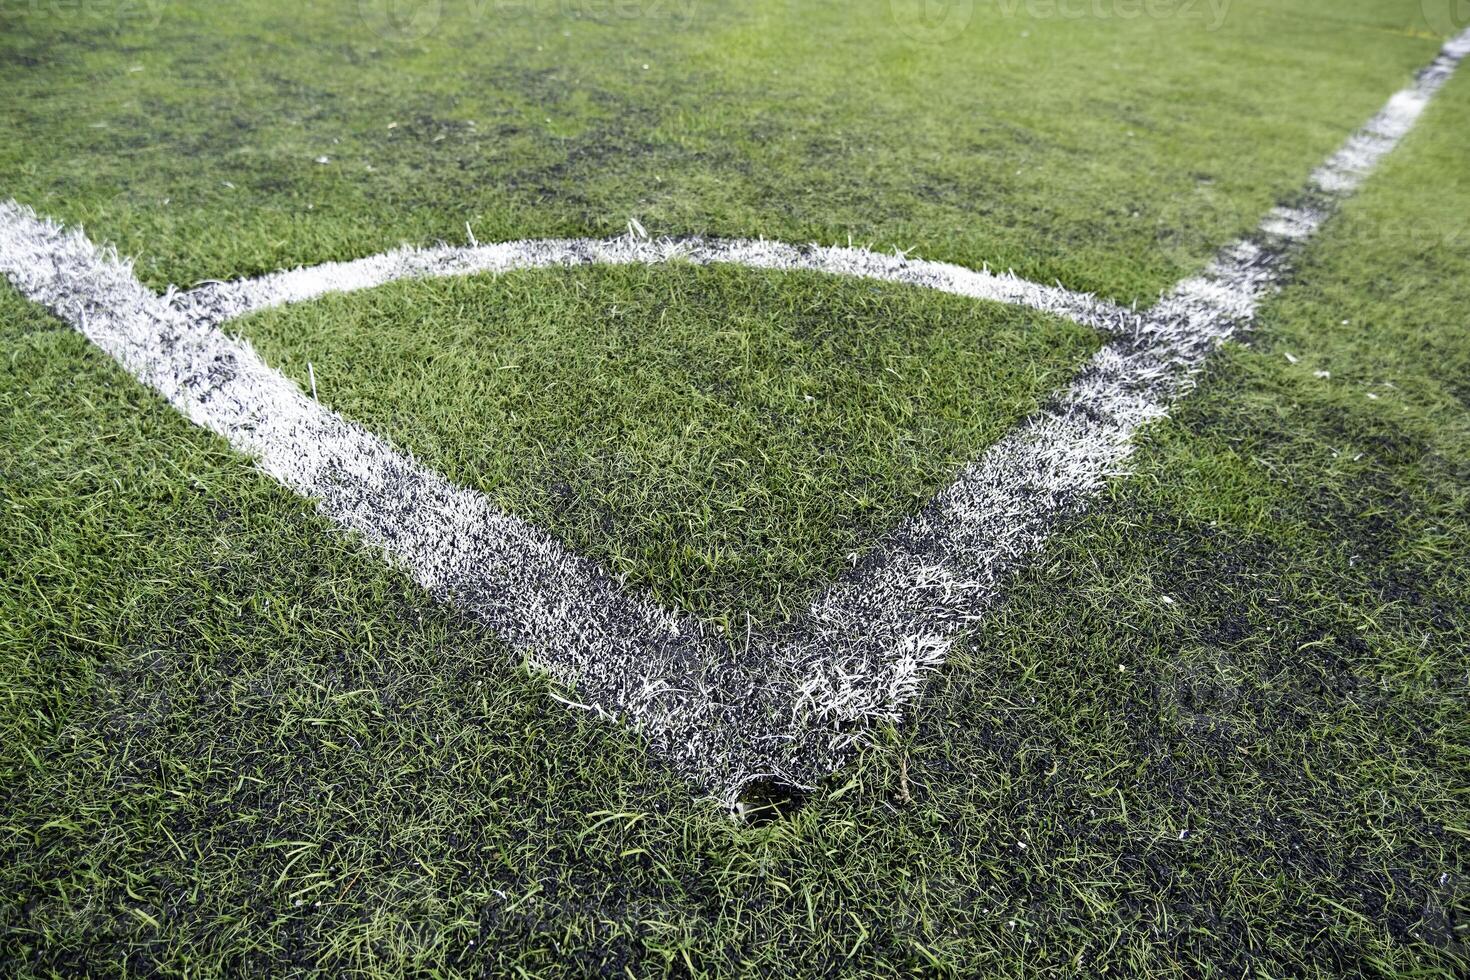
787, 706
218, 302
565, 612
874, 632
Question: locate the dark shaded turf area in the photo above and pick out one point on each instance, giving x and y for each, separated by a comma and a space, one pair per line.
1114, 153
1218, 730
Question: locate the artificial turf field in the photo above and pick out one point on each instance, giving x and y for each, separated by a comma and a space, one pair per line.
1218, 727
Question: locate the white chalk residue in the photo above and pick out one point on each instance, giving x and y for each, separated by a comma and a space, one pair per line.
789, 705
217, 302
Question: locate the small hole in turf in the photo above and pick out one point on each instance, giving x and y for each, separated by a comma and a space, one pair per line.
764, 801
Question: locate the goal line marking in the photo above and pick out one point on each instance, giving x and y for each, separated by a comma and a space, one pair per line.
790, 704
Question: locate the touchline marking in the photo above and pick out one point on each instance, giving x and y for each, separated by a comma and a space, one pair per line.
790, 704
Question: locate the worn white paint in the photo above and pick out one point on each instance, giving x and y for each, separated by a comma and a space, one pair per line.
786, 706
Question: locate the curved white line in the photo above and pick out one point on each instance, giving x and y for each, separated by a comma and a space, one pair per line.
790, 704
217, 302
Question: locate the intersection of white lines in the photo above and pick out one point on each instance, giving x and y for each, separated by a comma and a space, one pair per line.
785, 706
